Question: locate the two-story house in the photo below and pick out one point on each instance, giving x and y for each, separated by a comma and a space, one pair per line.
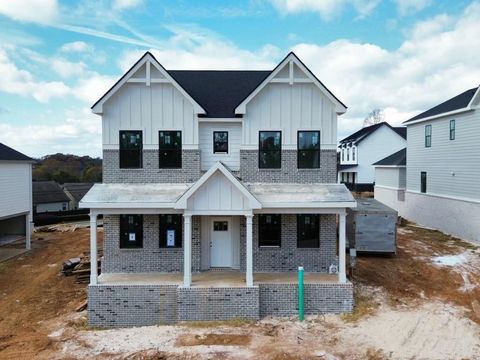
364, 147
442, 169
217, 186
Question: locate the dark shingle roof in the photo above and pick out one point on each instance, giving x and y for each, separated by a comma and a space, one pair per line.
397, 159
457, 102
45, 192
8, 154
346, 166
366, 131
218, 92
77, 190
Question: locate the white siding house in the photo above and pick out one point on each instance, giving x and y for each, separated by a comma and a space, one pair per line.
15, 195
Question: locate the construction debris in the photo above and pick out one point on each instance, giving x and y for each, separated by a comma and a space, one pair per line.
79, 267
59, 227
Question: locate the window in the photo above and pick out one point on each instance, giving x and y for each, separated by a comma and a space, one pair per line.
452, 129
269, 230
170, 149
220, 226
308, 231
343, 154
348, 154
131, 231
131, 146
171, 231
353, 153
308, 149
428, 135
270, 150
220, 142
423, 182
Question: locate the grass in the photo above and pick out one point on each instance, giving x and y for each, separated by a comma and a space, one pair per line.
234, 322
364, 306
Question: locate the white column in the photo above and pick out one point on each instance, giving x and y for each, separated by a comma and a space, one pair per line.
342, 277
187, 250
249, 267
93, 249
28, 233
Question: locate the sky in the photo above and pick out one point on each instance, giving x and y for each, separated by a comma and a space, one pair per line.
57, 57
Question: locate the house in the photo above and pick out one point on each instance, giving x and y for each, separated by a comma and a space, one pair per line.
48, 196
442, 187
217, 186
15, 196
391, 179
75, 192
361, 149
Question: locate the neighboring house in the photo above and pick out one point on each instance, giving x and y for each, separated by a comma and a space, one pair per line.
75, 192
391, 179
48, 196
15, 196
442, 187
361, 149
217, 185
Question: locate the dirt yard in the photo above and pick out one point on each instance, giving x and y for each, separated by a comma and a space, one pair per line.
422, 303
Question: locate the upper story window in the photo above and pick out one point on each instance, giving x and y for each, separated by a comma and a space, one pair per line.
428, 135
343, 154
353, 153
131, 146
269, 230
270, 150
423, 182
170, 149
452, 129
171, 231
308, 149
131, 231
220, 142
308, 231
348, 154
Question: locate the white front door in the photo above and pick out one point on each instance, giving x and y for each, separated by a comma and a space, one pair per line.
221, 243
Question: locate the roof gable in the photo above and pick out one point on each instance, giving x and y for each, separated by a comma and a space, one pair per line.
296, 70
396, 159
9, 154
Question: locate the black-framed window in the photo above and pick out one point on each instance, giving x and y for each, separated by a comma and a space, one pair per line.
343, 154
220, 142
452, 129
353, 153
269, 230
308, 149
131, 146
423, 182
270, 149
170, 149
308, 230
348, 154
428, 135
220, 226
171, 230
131, 231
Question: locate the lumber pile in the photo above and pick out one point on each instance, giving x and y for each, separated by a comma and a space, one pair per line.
59, 227
80, 267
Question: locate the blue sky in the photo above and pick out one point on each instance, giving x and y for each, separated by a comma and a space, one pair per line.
57, 57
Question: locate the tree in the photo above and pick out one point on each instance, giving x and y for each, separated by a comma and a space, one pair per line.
92, 174
375, 116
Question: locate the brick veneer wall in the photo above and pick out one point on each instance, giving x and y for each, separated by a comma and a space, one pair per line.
288, 257
289, 173
150, 258
150, 173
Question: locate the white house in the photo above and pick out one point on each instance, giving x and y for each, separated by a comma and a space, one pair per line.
15, 195
442, 168
361, 149
48, 196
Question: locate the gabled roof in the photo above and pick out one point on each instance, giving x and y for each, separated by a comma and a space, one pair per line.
396, 159
9, 154
459, 102
77, 190
45, 192
361, 134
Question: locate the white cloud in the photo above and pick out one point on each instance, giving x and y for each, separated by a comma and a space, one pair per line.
126, 4
408, 7
76, 47
38, 11
91, 88
67, 69
326, 8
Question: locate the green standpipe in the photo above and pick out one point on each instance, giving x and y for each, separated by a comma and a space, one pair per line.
300, 294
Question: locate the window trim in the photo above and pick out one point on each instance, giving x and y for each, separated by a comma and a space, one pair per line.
123, 243
259, 150
423, 186
163, 244
428, 136
452, 129
170, 150
316, 150
316, 218
228, 142
260, 232
120, 150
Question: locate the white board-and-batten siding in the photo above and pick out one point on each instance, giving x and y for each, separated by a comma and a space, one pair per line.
208, 157
15, 188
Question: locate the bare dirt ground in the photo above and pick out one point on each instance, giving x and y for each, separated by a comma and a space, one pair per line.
422, 303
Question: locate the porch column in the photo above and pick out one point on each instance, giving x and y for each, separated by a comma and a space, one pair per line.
342, 277
187, 250
249, 267
93, 249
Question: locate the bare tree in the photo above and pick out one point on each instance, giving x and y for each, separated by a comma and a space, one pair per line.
375, 116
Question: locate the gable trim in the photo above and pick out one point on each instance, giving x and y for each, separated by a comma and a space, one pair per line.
148, 59
291, 59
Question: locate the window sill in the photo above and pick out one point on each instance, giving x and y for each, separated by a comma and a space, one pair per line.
270, 247
309, 169
272, 169
131, 249
131, 169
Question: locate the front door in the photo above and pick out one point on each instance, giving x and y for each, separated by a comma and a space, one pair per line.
221, 243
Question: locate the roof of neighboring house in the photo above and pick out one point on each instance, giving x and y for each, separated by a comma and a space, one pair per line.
363, 133
396, 159
9, 154
457, 102
45, 192
77, 190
